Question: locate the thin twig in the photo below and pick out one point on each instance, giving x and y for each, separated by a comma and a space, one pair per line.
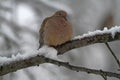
103, 75
113, 54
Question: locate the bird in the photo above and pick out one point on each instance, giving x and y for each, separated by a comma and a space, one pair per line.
55, 30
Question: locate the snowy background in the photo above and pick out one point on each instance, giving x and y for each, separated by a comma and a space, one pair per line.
20, 22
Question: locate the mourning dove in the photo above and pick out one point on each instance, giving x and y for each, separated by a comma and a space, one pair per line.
55, 30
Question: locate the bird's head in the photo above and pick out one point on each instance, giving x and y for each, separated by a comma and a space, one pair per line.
61, 13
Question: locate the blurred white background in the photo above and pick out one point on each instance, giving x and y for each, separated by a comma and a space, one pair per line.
20, 22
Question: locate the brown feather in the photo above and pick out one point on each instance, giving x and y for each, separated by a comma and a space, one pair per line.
55, 30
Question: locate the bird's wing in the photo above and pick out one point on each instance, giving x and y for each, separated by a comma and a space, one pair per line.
41, 33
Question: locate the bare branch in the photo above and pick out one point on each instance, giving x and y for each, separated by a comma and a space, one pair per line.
113, 54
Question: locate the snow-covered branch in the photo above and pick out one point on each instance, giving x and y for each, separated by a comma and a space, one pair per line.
98, 36
33, 61
19, 61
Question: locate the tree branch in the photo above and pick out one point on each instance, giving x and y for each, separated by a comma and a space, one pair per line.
113, 54
33, 61
85, 41
75, 43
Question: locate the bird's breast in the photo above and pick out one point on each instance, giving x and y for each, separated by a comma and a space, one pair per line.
57, 31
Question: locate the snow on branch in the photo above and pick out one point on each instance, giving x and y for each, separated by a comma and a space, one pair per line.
98, 36
33, 61
21, 61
